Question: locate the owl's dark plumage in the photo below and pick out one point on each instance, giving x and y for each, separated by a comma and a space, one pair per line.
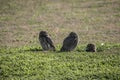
91, 48
70, 42
46, 41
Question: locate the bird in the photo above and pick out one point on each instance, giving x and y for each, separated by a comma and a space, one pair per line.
70, 42
46, 41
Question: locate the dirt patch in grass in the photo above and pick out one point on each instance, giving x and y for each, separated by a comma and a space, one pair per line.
94, 21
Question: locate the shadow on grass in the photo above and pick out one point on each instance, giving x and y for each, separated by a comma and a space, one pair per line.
36, 50
31, 50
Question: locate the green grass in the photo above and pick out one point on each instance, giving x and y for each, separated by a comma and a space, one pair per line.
30, 63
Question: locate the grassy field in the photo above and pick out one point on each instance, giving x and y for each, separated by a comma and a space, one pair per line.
95, 21
29, 63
